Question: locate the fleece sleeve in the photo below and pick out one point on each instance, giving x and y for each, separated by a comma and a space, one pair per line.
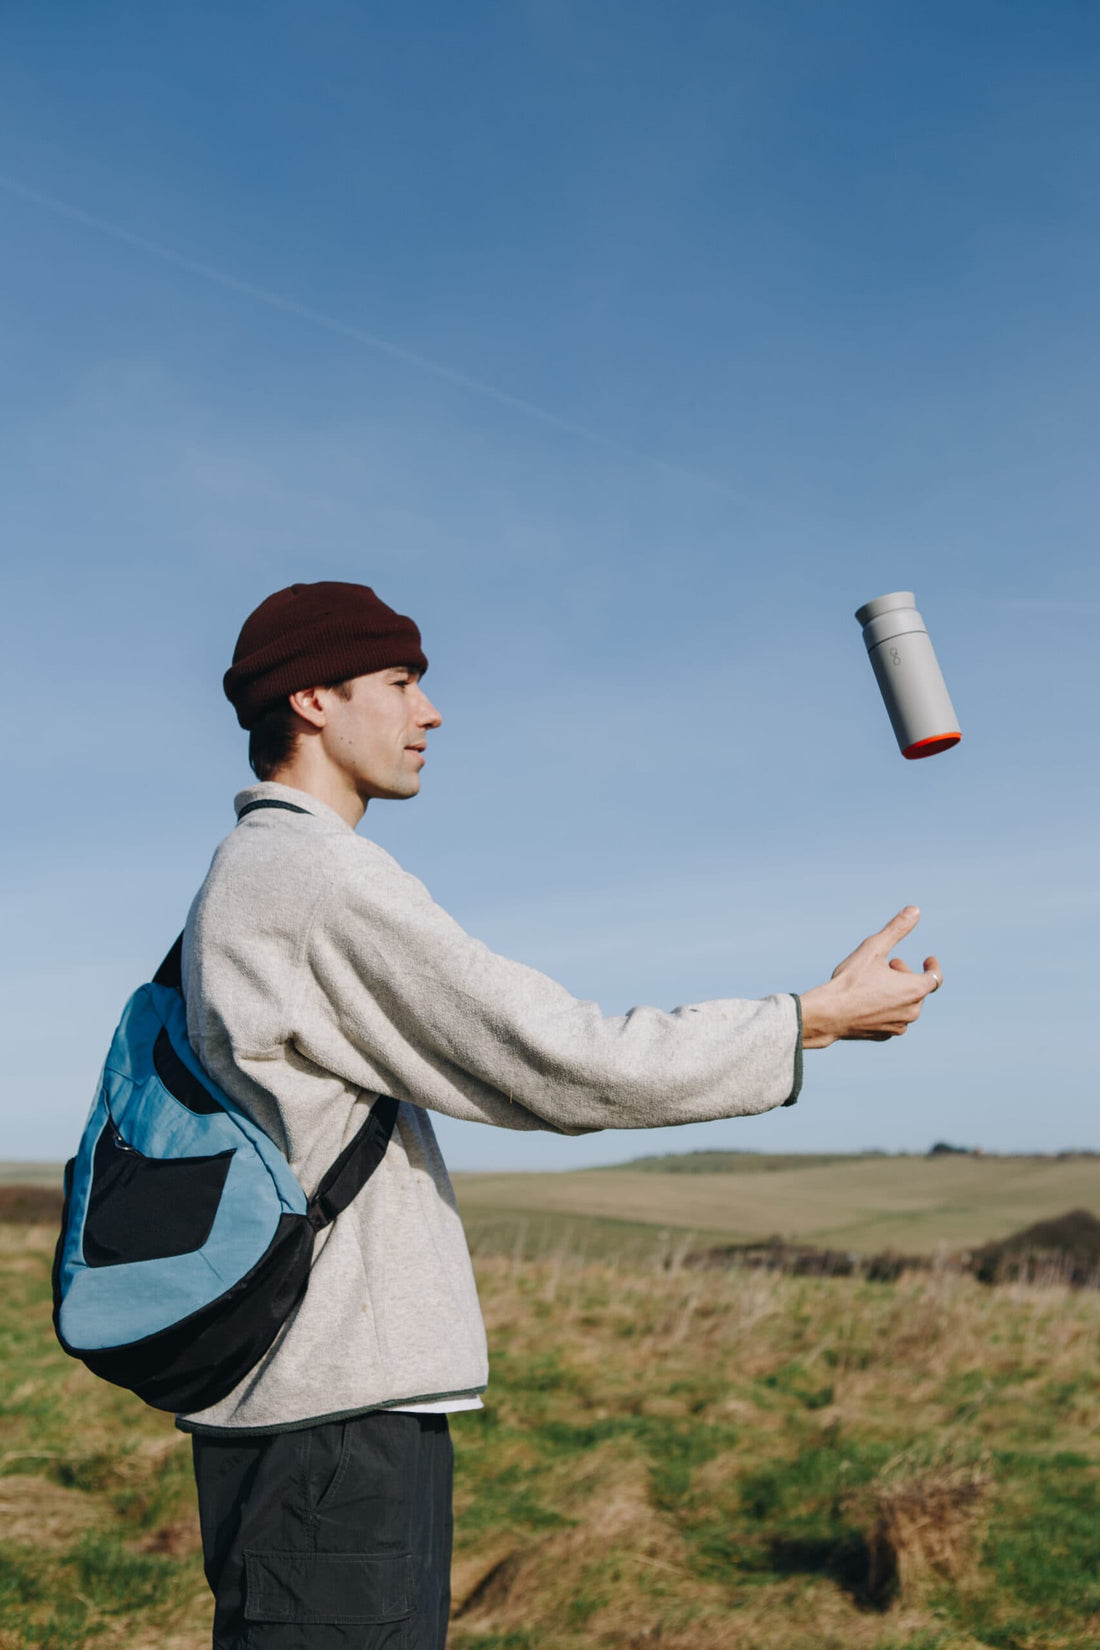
397, 996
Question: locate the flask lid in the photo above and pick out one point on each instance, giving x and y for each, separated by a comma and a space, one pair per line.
885, 604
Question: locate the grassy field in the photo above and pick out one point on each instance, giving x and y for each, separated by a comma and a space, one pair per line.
669, 1458
870, 1203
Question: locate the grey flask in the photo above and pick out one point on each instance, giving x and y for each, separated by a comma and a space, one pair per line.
909, 678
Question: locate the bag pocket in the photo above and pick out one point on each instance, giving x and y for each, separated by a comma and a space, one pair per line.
328, 1589
147, 1208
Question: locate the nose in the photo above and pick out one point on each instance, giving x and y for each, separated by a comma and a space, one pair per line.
426, 714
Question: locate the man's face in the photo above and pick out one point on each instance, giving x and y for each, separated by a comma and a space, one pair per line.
377, 735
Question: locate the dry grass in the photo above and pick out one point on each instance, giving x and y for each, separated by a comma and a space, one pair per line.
670, 1459
750, 1460
41, 1514
924, 1528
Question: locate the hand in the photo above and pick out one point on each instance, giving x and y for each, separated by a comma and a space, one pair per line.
870, 994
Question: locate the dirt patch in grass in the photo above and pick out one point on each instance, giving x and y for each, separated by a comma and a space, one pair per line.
179, 1538
34, 1512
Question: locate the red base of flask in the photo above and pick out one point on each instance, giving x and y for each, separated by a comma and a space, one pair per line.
931, 747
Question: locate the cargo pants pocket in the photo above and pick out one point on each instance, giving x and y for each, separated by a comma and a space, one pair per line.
335, 1595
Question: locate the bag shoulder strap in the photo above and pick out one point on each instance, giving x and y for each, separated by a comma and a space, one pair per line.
170, 972
270, 802
355, 1164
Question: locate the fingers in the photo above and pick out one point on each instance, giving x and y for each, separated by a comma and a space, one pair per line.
931, 979
880, 944
896, 929
866, 1005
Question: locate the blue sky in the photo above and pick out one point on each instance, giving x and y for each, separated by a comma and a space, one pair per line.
630, 348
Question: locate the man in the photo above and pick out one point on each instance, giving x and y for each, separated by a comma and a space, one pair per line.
319, 975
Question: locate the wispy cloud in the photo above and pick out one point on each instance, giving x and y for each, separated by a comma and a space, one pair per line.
343, 329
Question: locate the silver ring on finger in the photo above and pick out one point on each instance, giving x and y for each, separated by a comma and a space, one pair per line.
937, 979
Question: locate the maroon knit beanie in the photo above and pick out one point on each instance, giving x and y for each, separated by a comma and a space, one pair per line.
313, 634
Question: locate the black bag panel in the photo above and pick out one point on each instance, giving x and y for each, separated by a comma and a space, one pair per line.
199, 1360
148, 1208
329, 1589
180, 1080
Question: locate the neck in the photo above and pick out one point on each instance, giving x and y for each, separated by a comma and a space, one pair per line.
327, 783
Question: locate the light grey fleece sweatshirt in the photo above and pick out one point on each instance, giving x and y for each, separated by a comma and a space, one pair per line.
319, 974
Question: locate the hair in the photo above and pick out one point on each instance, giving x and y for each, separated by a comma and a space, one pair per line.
273, 737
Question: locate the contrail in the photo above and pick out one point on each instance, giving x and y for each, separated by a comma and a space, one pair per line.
358, 335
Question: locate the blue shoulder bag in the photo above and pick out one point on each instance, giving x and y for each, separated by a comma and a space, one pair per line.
186, 1239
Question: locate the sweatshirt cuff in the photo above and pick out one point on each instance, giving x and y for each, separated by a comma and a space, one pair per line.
796, 1091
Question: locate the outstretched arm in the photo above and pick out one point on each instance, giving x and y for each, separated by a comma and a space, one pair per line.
400, 997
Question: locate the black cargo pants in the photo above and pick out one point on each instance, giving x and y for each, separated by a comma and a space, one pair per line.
334, 1537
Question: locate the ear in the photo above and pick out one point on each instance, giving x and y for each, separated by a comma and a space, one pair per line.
309, 704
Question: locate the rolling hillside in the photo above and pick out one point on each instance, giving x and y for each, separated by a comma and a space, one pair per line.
915, 1204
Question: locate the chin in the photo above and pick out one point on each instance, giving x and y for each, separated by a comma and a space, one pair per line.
397, 793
